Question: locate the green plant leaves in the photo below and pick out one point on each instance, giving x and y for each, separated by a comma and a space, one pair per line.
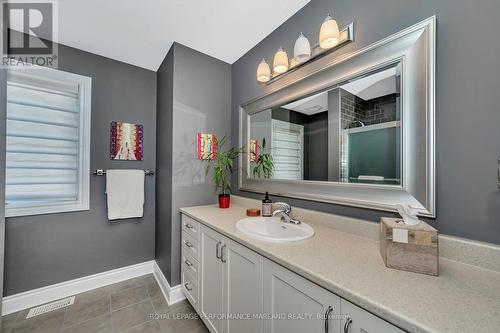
223, 165
264, 165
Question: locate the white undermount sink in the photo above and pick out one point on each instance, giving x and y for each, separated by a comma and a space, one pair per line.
273, 229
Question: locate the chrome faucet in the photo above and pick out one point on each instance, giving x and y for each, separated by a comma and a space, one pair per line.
285, 213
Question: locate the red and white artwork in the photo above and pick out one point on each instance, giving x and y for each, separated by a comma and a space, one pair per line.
126, 141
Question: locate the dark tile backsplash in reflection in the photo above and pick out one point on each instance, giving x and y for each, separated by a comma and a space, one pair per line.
374, 111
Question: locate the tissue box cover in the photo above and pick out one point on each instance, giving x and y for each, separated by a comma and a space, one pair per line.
411, 248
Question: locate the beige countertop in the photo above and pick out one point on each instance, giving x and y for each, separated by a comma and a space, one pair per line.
463, 298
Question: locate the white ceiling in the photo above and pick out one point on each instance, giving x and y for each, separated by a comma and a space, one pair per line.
373, 86
142, 32
310, 105
369, 87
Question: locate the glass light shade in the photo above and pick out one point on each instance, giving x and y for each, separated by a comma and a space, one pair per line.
302, 49
263, 71
280, 63
329, 33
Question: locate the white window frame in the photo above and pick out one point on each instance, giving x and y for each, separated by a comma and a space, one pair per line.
291, 127
85, 99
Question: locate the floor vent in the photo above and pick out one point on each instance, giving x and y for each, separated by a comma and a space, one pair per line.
62, 303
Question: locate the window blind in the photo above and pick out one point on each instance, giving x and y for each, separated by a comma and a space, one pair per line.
42, 141
287, 149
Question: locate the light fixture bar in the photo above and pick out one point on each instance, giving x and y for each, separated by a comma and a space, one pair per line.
346, 37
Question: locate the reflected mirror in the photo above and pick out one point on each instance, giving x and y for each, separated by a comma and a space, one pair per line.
349, 133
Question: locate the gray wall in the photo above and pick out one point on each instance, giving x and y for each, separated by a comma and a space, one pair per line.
316, 160
467, 117
334, 135
3, 104
164, 116
46, 249
200, 103
260, 128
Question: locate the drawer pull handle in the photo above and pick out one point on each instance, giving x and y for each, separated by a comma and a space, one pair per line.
498, 172
222, 253
188, 288
347, 324
189, 226
327, 315
189, 263
188, 244
217, 250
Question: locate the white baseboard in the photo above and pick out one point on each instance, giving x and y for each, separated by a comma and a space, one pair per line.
172, 294
31, 298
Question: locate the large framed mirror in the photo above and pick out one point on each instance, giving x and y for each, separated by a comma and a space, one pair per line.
359, 131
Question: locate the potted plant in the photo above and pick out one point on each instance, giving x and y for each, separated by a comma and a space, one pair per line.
263, 164
223, 167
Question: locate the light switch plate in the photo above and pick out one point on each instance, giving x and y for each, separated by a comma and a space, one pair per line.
400, 235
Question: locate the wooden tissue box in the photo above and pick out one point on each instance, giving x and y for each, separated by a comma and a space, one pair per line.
411, 248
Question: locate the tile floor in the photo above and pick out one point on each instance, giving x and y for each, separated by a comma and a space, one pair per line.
132, 306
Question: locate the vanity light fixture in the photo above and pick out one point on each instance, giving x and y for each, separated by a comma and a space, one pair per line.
263, 71
330, 39
302, 49
280, 64
329, 35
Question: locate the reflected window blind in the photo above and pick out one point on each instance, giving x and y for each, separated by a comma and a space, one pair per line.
287, 150
43, 141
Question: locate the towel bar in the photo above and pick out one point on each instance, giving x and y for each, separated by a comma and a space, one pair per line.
102, 172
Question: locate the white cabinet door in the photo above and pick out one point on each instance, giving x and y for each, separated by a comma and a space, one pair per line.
360, 321
296, 304
235, 282
211, 280
243, 291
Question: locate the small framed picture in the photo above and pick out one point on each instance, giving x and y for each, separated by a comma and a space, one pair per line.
206, 146
126, 141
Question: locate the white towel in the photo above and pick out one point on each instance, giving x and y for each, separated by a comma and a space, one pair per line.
125, 191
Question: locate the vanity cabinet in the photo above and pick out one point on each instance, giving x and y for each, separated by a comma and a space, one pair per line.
211, 282
357, 320
236, 290
190, 261
243, 288
296, 305
231, 285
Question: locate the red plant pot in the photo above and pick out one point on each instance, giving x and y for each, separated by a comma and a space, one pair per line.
224, 200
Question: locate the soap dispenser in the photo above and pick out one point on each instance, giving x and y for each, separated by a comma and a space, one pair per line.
267, 206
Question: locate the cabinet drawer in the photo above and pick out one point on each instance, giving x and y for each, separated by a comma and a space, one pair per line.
190, 289
190, 245
361, 321
191, 227
190, 265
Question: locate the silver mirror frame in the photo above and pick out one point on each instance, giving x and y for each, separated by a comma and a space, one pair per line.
414, 49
